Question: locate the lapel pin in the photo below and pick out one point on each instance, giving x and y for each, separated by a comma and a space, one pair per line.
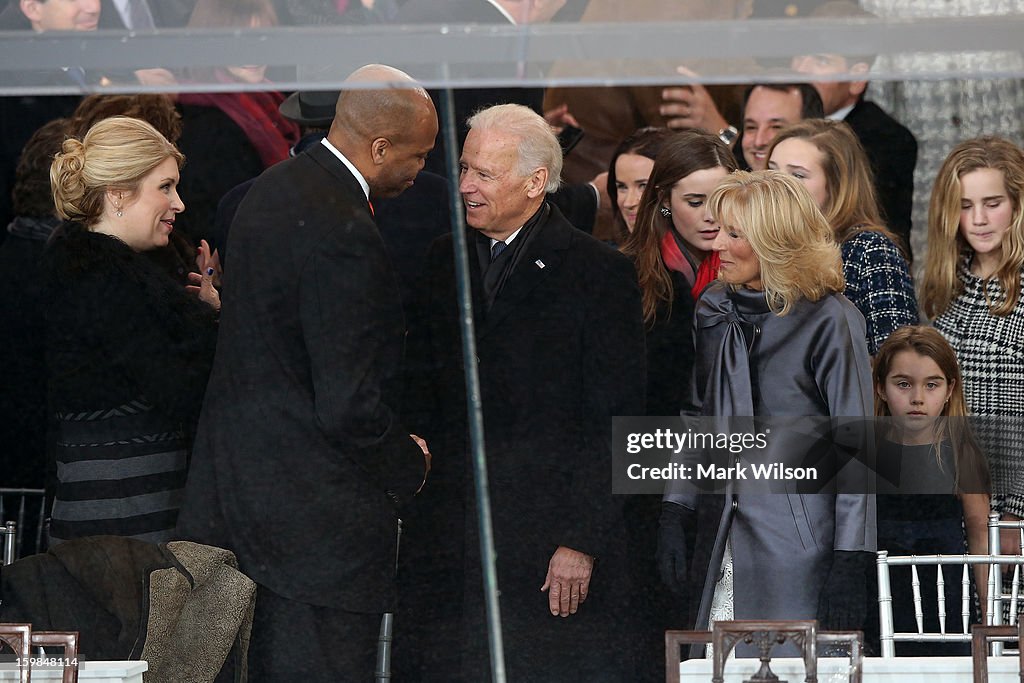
540, 264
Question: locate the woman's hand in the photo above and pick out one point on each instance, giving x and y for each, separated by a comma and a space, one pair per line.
203, 284
205, 260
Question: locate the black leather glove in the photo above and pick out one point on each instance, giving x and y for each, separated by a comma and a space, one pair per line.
671, 555
843, 604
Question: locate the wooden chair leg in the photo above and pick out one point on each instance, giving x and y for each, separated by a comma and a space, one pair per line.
673, 641
19, 638
980, 635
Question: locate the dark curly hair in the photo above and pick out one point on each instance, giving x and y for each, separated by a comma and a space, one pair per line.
156, 110
31, 195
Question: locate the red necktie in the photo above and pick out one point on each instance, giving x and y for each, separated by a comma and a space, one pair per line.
371, 207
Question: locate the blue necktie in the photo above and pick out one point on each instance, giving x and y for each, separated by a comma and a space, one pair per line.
496, 249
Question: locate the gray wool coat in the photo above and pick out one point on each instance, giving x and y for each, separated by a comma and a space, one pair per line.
810, 363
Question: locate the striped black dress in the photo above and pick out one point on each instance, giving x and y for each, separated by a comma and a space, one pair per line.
128, 356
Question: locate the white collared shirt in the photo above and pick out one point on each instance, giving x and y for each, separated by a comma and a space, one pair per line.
501, 9
840, 114
122, 9
507, 240
126, 15
348, 164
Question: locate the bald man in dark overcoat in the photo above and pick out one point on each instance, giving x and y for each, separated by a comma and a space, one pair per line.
300, 459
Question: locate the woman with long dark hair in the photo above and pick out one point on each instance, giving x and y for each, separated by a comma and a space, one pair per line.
666, 247
628, 173
670, 241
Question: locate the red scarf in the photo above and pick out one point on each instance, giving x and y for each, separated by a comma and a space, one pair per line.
257, 114
675, 260
706, 273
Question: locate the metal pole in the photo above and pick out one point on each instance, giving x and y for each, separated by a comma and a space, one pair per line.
10, 533
995, 581
387, 627
885, 606
475, 412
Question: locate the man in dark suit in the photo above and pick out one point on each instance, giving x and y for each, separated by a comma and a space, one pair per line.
300, 460
408, 223
560, 350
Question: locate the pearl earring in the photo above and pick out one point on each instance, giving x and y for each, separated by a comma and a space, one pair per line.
665, 211
119, 212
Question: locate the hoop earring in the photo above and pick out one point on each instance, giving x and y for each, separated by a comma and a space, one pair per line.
665, 211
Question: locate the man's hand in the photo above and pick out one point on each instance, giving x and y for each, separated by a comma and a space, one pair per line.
426, 458
156, 77
568, 580
691, 106
559, 117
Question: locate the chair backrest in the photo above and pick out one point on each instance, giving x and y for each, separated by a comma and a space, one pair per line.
68, 640
995, 547
980, 637
1010, 599
28, 509
827, 643
764, 635
674, 640
19, 638
889, 637
852, 644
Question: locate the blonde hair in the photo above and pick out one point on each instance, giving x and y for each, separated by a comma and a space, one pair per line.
116, 153
928, 342
538, 146
793, 242
852, 203
946, 246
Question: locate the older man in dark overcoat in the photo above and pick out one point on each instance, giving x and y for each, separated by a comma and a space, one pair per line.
560, 351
